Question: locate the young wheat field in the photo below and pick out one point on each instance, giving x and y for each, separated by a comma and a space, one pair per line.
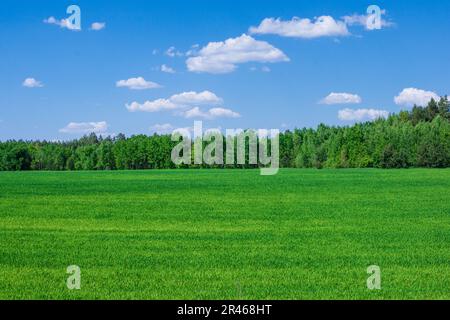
225, 234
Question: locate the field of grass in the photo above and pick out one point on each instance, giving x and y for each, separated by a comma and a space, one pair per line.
225, 234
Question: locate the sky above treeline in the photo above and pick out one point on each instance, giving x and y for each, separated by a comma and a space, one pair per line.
140, 67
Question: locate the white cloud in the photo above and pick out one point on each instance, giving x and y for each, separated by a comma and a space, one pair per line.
96, 26
51, 20
192, 51
362, 20
186, 104
85, 127
152, 106
32, 83
212, 113
63, 23
356, 19
412, 96
186, 131
324, 26
223, 113
138, 83
223, 57
196, 98
361, 114
162, 128
194, 113
177, 101
341, 98
172, 52
167, 69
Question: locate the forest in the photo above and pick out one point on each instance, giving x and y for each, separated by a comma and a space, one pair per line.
416, 138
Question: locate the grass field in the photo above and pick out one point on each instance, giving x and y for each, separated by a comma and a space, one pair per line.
225, 234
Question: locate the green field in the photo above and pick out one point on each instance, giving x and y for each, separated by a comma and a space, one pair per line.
225, 234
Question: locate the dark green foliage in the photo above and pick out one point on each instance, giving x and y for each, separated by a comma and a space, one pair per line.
419, 138
15, 156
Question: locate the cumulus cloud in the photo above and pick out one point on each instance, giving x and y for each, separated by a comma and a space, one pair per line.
341, 98
186, 104
63, 23
96, 26
185, 132
138, 83
85, 127
324, 26
222, 113
152, 106
193, 50
182, 100
224, 56
32, 83
196, 98
162, 128
167, 69
212, 113
173, 52
412, 96
361, 114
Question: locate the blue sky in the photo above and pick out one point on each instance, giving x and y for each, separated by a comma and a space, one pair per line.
275, 75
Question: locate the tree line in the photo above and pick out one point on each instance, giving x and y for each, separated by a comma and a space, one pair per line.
416, 138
